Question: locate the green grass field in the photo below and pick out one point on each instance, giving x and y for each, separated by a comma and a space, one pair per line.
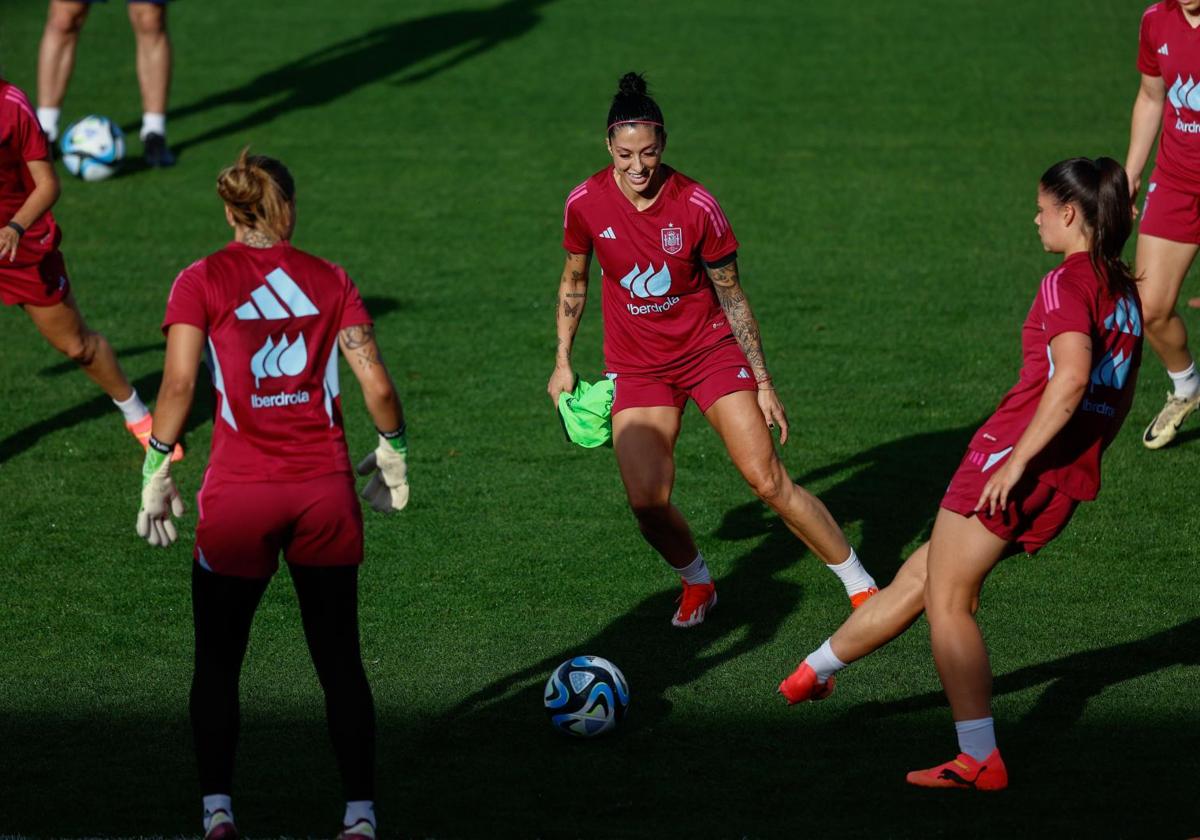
878, 162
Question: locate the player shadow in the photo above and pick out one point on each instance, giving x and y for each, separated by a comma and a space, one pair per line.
446, 39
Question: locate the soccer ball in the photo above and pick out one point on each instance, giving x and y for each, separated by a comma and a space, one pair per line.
586, 696
93, 148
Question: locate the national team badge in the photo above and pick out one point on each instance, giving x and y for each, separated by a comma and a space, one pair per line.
672, 239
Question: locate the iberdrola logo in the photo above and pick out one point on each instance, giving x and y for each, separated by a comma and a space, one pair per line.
648, 283
282, 359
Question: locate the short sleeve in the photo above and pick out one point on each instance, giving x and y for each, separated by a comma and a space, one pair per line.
28, 132
1067, 305
187, 303
576, 237
1147, 60
717, 240
354, 311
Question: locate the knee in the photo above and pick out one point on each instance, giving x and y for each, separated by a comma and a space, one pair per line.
66, 19
768, 481
81, 349
147, 20
1156, 313
649, 508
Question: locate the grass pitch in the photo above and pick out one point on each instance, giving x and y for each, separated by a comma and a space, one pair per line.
878, 162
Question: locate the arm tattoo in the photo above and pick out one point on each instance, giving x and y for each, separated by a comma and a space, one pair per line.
741, 319
361, 339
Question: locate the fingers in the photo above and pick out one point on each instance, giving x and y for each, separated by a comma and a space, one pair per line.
400, 497
177, 506
366, 465
783, 429
143, 524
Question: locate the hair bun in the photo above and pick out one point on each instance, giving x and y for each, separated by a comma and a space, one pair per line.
632, 84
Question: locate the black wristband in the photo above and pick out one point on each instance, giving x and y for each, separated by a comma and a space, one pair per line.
17, 227
394, 434
158, 446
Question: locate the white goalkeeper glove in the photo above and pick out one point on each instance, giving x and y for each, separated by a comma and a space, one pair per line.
160, 497
388, 488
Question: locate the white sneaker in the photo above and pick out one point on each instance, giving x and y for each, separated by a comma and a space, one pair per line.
1165, 426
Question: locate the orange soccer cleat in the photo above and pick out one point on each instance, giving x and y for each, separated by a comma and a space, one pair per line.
141, 431
695, 602
803, 685
860, 598
964, 772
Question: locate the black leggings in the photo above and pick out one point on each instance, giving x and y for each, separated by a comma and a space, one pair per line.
223, 609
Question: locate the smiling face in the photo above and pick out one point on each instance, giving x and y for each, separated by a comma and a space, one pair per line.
636, 150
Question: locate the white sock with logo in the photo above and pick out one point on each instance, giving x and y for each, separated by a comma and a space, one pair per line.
976, 738
696, 571
133, 408
153, 124
359, 810
216, 802
853, 574
48, 118
825, 662
1187, 382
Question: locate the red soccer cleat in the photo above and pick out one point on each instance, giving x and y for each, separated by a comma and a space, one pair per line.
860, 598
141, 431
361, 830
695, 602
221, 827
964, 772
803, 685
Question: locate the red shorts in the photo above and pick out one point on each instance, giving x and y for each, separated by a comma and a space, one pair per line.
1036, 512
721, 371
42, 283
244, 526
1170, 211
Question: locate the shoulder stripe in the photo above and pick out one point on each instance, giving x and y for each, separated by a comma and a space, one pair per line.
15, 96
709, 204
1050, 299
576, 194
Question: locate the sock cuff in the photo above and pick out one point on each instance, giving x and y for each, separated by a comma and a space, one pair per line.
845, 564
1187, 372
974, 725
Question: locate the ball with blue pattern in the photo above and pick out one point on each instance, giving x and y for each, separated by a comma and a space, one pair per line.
586, 696
93, 148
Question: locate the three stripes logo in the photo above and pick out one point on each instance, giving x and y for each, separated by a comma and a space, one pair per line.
607, 233
647, 283
1185, 94
288, 301
1163, 50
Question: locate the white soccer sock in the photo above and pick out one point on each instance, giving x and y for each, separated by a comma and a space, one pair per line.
825, 662
1187, 382
48, 117
133, 408
153, 124
976, 738
853, 574
696, 571
358, 810
217, 802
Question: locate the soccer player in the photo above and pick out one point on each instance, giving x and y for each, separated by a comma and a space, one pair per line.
56, 61
1026, 469
33, 274
1167, 108
677, 326
269, 319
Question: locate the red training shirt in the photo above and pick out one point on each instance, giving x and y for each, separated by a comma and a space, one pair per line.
660, 308
1169, 47
21, 140
272, 318
1072, 298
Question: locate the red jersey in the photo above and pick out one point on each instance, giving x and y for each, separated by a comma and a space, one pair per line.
21, 140
660, 309
271, 318
1169, 47
1072, 298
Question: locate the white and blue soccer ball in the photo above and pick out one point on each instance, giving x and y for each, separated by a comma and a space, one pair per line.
93, 148
586, 696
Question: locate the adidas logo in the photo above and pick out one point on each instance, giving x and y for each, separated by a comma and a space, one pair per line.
288, 301
743, 374
1163, 50
607, 233
648, 283
283, 359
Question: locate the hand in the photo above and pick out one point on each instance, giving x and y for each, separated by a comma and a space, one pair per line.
995, 492
388, 488
9, 239
160, 499
1135, 186
563, 379
773, 413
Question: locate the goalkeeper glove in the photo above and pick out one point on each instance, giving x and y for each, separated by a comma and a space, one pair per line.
160, 497
388, 488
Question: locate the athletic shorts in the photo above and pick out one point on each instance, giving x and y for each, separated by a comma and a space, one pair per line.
42, 283
244, 527
1036, 512
722, 371
1170, 211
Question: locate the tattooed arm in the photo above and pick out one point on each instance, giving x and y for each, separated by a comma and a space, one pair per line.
745, 330
572, 295
362, 353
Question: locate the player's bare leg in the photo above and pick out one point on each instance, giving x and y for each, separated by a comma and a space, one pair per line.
63, 327
56, 59
644, 442
1161, 265
149, 22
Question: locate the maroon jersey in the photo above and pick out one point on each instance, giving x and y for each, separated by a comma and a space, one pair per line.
1072, 298
660, 309
1169, 47
271, 318
22, 140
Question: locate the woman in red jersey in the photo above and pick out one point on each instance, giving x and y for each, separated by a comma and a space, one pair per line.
1026, 469
677, 326
1167, 109
269, 319
33, 274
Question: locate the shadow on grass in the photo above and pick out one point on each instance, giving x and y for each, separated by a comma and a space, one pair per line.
123, 353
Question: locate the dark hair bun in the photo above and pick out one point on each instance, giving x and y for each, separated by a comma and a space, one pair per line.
632, 84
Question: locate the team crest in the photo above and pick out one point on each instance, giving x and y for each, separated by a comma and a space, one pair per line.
672, 240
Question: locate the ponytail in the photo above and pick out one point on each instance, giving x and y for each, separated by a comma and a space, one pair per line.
1100, 189
259, 192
